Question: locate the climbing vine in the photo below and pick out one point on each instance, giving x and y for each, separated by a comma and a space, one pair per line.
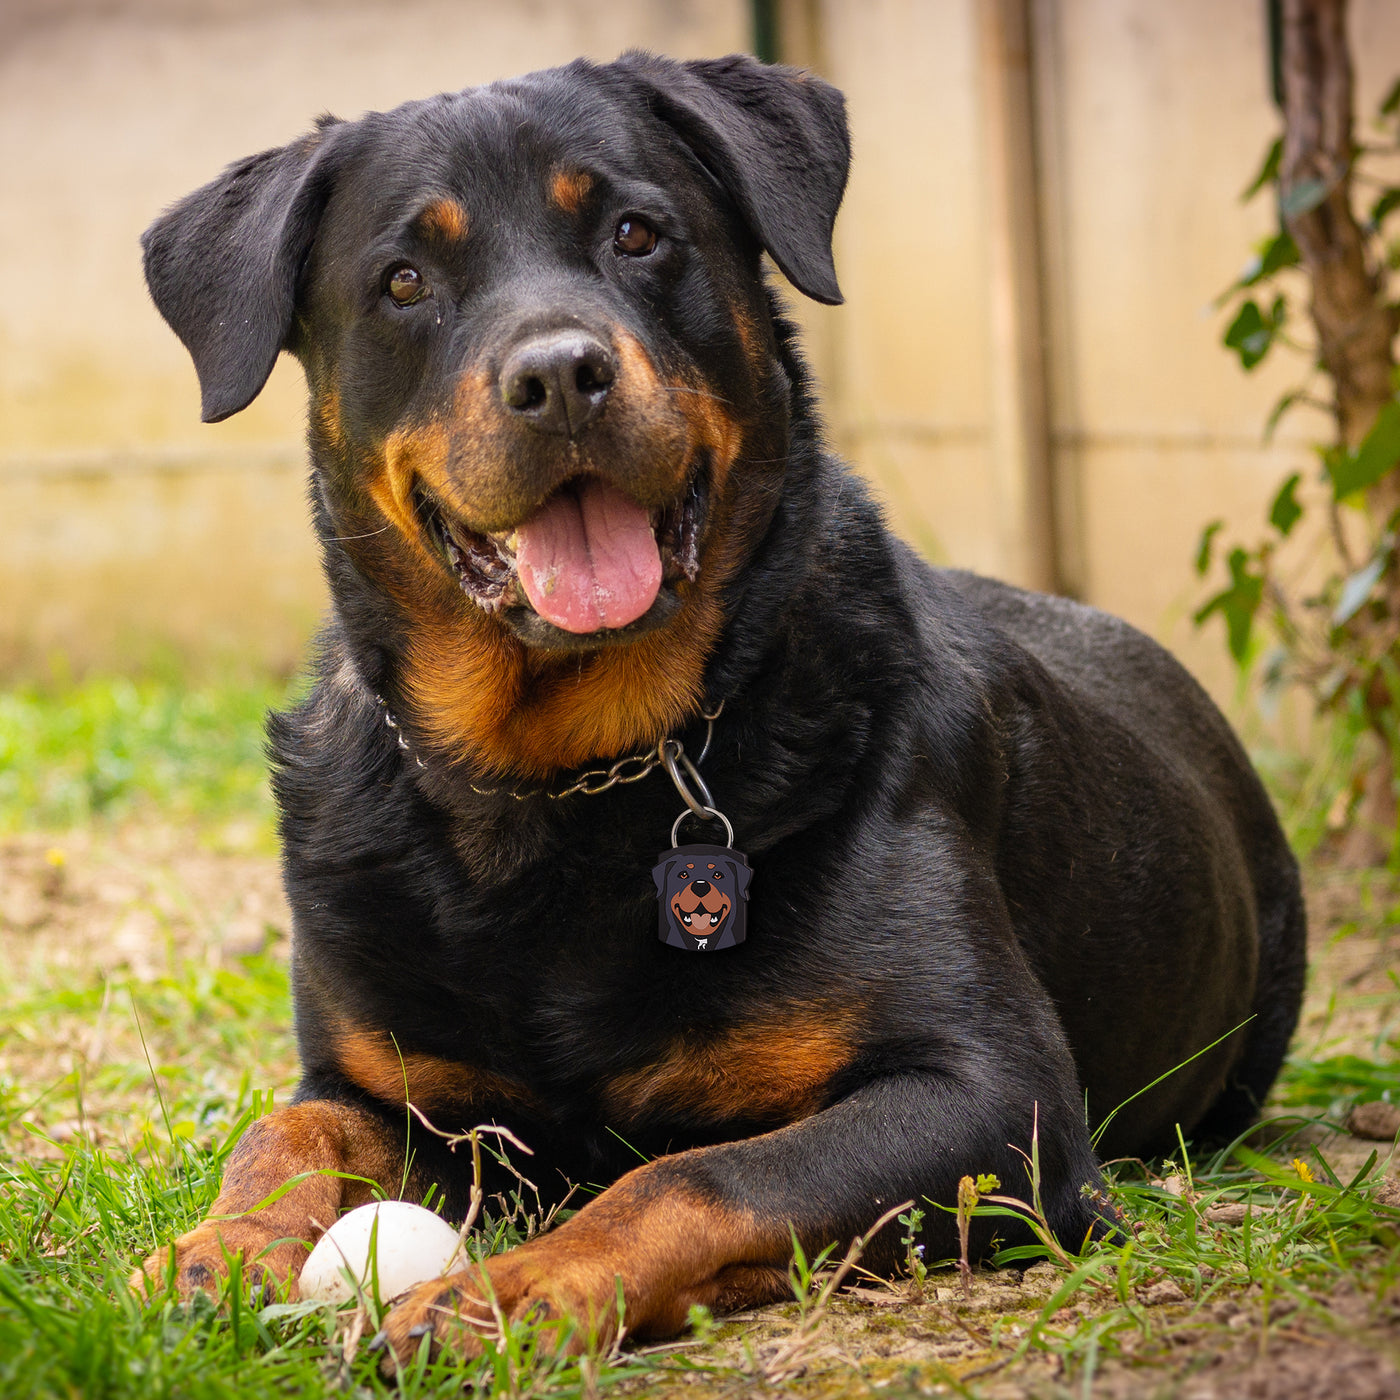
1318, 288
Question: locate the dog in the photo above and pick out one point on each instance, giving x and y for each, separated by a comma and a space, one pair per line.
1015, 887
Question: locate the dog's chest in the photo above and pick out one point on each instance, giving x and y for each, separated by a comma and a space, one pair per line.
762, 1069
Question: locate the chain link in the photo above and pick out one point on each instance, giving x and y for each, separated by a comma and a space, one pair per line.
596, 780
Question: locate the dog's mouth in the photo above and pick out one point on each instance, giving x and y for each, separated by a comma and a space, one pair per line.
591, 559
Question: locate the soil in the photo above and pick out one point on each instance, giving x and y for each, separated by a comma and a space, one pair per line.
134, 902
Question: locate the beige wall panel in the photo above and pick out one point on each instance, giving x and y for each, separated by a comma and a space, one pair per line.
115, 568
1143, 551
1156, 117
937, 494
1165, 116
911, 348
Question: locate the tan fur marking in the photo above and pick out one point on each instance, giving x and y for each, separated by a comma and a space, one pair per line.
371, 1060
569, 188
326, 417
444, 218
669, 1248
409, 454
772, 1072
330, 1144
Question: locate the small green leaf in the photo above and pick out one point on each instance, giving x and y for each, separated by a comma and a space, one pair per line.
1238, 603
1271, 255
1378, 454
1268, 172
1251, 333
1206, 547
1286, 401
1388, 202
1305, 195
1285, 512
1391, 105
1276, 253
1357, 589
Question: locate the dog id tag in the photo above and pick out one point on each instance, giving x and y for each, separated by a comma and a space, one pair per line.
703, 891
704, 896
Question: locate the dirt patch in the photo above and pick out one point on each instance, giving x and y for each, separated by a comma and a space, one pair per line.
115, 948
132, 899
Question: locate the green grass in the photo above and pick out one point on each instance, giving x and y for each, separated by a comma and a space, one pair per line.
151, 1081
109, 749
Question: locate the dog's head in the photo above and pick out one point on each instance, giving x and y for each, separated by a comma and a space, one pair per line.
548, 413
702, 889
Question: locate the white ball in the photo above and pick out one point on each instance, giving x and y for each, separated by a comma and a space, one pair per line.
412, 1245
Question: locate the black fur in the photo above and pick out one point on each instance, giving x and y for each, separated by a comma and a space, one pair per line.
1004, 837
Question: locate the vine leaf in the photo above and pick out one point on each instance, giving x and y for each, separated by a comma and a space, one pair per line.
1304, 196
1252, 331
1268, 172
1238, 603
1286, 401
1206, 548
1378, 454
1389, 200
1285, 512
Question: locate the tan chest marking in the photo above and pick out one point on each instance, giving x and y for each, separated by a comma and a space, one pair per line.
371, 1060
770, 1072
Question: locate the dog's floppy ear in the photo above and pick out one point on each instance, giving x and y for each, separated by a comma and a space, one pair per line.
775, 138
223, 263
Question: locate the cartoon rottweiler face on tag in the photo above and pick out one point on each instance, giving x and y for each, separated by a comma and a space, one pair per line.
703, 893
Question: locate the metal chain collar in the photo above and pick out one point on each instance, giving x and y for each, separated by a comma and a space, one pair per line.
669, 753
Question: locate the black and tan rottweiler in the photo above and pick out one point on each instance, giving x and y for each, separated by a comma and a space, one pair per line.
1009, 863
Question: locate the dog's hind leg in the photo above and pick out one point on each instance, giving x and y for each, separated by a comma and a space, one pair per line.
1283, 937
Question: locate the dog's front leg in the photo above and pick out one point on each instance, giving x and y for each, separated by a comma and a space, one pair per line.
714, 1226
332, 1142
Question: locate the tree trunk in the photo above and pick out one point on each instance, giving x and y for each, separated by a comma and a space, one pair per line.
1354, 325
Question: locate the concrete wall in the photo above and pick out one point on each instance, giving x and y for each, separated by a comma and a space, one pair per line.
130, 526
1151, 119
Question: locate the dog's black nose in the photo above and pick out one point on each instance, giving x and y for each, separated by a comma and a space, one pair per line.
558, 382
701, 887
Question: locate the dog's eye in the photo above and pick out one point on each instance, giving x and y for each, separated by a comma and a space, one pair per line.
685, 874
634, 238
717, 876
405, 285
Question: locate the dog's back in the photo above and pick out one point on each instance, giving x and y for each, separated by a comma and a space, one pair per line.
1137, 693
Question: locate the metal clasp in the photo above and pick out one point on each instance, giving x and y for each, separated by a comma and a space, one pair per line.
672, 753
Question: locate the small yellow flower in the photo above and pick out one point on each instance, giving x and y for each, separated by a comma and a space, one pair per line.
1304, 1171
56, 857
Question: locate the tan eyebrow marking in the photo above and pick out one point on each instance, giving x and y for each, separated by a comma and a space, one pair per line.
443, 218
569, 189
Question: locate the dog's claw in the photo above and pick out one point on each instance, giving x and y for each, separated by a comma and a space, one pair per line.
378, 1342
421, 1329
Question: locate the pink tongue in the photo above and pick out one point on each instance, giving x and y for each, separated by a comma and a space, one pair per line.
588, 559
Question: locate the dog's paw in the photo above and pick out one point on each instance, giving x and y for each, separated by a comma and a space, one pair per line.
576, 1305
203, 1257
